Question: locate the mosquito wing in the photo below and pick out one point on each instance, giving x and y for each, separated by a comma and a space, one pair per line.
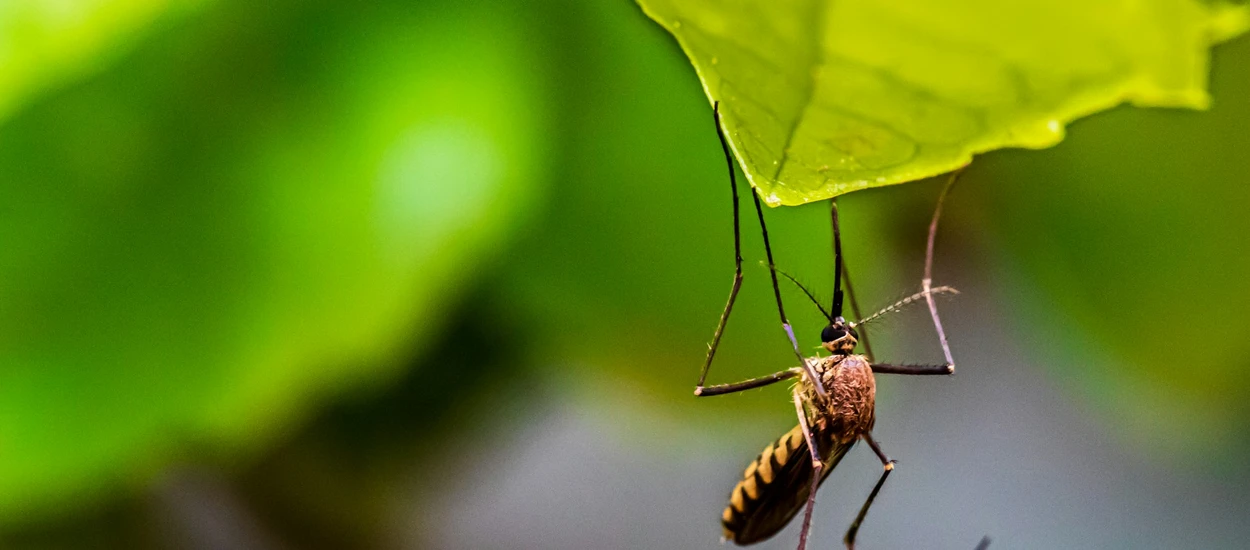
775, 486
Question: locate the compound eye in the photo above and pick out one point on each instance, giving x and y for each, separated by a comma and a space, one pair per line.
830, 334
854, 333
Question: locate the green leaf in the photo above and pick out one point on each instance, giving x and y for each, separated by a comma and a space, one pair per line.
823, 98
266, 206
43, 44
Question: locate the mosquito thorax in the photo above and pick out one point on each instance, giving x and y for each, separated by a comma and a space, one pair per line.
838, 337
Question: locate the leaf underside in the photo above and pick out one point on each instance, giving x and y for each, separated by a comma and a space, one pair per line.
824, 98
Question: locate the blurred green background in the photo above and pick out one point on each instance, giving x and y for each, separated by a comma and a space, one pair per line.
316, 275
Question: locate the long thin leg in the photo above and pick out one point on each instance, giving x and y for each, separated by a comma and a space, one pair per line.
888, 466
882, 368
721, 389
837, 259
846, 275
733, 291
817, 466
785, 323
927, 282
863, 331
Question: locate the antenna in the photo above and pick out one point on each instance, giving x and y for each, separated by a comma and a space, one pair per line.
927, 294
808, 293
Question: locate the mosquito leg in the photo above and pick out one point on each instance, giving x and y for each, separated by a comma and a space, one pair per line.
817, 466
721, 389
733, 291
882, 368
888, 467
850, 294
840, 260
837, 258
927, 282
781, 310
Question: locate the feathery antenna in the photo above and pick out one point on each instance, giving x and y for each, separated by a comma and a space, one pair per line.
904, 303
809, 294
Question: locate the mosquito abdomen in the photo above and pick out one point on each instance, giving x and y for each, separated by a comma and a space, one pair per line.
773, 488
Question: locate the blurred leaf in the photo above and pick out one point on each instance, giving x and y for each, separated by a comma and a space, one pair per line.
823, 98
44, 43
251, 211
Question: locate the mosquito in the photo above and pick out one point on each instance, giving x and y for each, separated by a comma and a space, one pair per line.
834, 396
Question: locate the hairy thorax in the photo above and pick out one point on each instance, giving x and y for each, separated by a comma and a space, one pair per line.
847, 412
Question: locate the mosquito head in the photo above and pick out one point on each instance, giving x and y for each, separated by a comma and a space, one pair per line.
839, 337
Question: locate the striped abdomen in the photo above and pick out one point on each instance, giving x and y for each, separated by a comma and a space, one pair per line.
775, 486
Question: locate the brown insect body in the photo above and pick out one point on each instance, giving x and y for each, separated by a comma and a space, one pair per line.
775, 486
849, 411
